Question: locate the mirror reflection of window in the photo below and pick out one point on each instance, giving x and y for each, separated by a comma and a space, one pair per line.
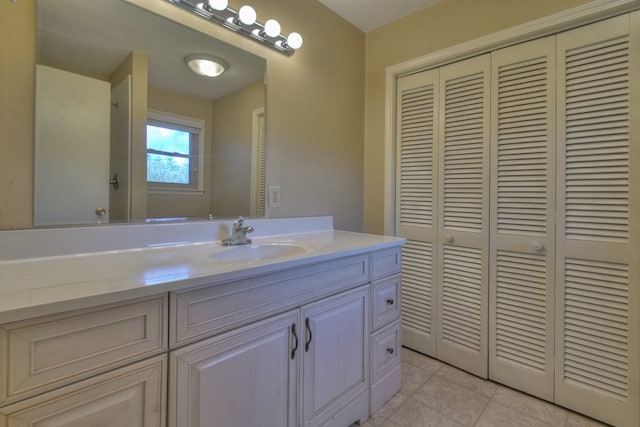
174, 147
169, 155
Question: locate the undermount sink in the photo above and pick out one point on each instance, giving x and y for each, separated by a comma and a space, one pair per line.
258, 252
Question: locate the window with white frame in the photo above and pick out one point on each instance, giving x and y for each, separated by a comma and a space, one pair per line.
174, 152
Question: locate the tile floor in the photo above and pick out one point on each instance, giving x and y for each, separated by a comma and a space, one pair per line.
436, 394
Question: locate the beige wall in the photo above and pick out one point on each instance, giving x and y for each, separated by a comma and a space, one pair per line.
137, 65
323, 148
445, 24
17, 102
315, 119
232, 144
191, 205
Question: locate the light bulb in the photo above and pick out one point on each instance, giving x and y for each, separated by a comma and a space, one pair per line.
218, 4
272, 28
247, 15
294, 41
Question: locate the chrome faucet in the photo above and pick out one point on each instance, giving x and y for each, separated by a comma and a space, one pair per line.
238, 234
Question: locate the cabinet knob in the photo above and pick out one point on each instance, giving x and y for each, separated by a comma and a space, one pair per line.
390, 350
537, 245
390, 301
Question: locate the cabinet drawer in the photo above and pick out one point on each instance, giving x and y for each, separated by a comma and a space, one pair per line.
47, 352
204, 312
385, 301
385, 350
132, 396
385, 263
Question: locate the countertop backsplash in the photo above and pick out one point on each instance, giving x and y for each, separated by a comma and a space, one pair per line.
47, 242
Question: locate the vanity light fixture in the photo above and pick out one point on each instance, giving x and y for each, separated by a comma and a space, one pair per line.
244, 22
206, 65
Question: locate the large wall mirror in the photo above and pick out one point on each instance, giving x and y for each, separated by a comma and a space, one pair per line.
126, 131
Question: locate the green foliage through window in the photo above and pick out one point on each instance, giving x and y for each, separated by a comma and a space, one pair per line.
169, 155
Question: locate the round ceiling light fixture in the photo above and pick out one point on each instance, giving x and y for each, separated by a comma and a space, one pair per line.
206, 65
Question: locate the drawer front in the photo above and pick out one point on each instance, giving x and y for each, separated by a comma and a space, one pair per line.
132, 396
47, 352
200, 313
385, 263
385, 301
385, 350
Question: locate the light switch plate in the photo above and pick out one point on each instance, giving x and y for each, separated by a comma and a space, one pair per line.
274, 196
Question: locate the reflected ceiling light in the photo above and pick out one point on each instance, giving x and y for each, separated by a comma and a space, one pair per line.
206, 65
244, 22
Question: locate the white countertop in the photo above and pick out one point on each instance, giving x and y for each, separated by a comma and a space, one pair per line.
44, 285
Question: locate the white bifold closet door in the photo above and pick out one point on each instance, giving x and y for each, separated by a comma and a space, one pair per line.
416, 182
521, 279
462, 257
598, 187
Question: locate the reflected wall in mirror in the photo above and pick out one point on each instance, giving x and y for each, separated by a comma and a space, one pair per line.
107, 70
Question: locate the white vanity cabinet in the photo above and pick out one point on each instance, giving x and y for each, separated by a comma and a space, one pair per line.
246, 377
133, 396
305, 363
257, 374
335, 360
101, 366
287, 345
386, 342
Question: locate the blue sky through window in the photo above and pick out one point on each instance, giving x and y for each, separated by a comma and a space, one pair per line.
164, 163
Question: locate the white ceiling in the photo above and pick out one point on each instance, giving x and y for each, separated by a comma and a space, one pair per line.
368, 15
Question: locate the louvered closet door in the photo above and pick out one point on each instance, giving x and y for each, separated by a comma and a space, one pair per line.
521, 279
416, 167
463, 207
597, 316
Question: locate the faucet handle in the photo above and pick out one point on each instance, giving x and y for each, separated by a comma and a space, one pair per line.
238, 223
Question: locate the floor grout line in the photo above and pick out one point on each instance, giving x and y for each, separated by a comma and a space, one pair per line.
414, 359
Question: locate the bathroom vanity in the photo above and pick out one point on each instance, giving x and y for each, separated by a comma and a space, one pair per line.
300, 328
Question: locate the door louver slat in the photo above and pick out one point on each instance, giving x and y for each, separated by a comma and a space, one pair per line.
522, 148
596, 359
597, 142
463, 153
461, 296
417, 289
521, 310
523, 201
596, 326
416, 154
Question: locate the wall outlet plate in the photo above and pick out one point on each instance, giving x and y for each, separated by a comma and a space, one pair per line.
274, 196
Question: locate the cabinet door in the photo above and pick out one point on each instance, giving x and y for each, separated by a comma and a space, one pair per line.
416, 205
335, 354
463, 215
521, 278
246, 377
133, 396
598, 237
